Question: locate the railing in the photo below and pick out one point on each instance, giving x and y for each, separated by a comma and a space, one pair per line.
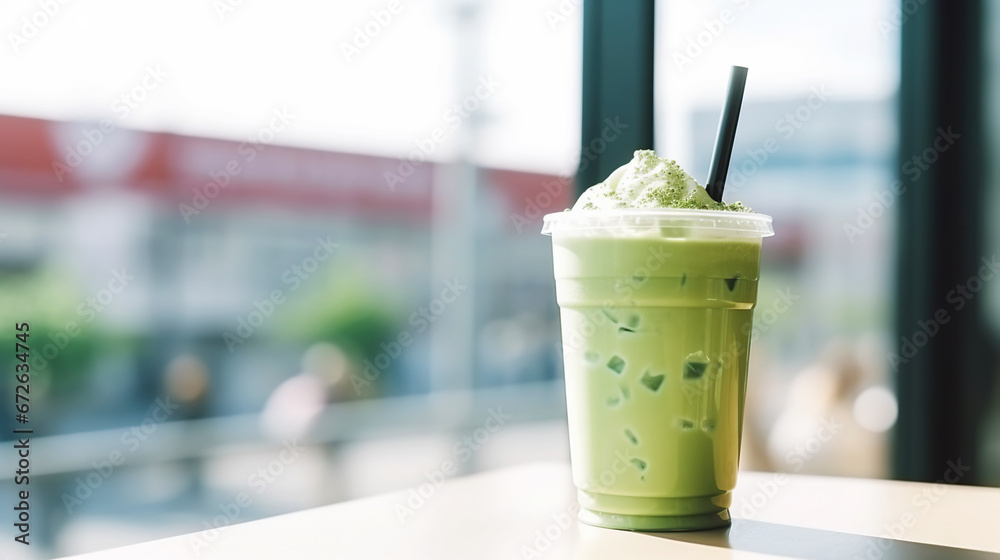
442, 412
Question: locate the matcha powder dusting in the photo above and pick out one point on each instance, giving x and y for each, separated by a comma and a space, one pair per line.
651, 182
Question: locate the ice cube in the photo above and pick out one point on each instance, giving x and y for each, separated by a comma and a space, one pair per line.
616, 364
651, 382
631, 436
695, 365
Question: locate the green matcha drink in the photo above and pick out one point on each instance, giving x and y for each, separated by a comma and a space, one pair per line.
656, 284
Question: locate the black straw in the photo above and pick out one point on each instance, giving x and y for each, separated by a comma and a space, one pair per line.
727, 134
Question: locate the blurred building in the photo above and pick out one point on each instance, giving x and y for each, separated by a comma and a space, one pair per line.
213, 227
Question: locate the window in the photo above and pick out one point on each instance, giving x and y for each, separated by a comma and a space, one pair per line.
815, 149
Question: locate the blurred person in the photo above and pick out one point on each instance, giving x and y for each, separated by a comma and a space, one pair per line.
833, 418
186, 380
297, 403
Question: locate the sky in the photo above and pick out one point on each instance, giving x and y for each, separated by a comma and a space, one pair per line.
850, 48
381, 77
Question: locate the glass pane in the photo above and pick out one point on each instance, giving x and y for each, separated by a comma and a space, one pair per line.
815, 149
235, 225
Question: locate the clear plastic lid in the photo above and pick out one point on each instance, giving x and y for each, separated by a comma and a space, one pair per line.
680, 222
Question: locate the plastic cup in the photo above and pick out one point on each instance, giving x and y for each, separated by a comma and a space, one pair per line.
656, 309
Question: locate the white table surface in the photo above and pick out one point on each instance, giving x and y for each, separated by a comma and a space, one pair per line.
520, 512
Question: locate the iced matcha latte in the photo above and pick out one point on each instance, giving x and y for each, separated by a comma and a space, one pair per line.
656, 283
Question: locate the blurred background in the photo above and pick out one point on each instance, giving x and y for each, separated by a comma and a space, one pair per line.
292, 250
